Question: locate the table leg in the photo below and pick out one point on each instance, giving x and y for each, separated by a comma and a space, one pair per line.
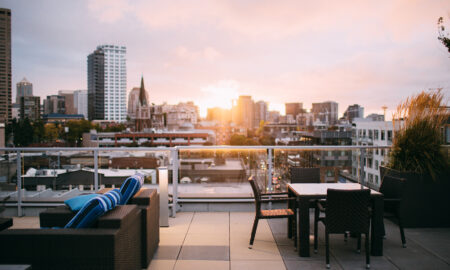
377, 226
303, 227
291, 205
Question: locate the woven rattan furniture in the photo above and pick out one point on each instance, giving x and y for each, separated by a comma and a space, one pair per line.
146, 199
113, 243
308, 192
304, 175
392, 189
5, 223
268, 214
346, 210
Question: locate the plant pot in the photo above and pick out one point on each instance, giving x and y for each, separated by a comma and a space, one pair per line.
425, 202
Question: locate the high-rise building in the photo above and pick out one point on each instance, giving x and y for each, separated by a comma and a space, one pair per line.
243, 112
326, 112
68, 101
54, 104
24, 89
96, 85
80, 101
261, 112
107, 83
353, 111
30, 107
5, 65
294, 108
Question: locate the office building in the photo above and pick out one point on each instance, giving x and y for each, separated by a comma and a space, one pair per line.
326, 112
24, 89
219, 115
243, 112
107, 83
261, 113
5, 65
30, 107
294, 108
353, 111
54, 104
80, 101
68, 101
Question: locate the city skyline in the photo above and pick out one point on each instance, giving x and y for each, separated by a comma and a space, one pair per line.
372, 54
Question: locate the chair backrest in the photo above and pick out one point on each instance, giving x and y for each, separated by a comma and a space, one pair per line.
392, 187
304, 175
256, 192
347, 210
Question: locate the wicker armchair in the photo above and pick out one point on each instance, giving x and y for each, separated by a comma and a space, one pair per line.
346, 210
392, 189
304, 175
268, 214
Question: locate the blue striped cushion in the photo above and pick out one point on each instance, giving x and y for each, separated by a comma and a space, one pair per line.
113, 197
90, 212
76, 203
130, 187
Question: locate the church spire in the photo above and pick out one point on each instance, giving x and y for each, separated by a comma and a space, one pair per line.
142, 94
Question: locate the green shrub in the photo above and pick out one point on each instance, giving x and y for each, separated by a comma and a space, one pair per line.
416, 145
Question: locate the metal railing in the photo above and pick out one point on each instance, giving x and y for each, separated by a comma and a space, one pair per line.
174, 161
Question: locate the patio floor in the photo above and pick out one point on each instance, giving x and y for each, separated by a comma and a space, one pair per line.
219, 240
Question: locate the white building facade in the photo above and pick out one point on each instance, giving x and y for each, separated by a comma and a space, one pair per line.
80, 100
115, 82
371, 133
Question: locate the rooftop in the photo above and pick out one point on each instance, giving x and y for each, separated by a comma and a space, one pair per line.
219, 240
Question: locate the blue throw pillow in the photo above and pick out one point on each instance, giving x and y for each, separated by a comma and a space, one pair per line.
130, 187
90, 212
76, 203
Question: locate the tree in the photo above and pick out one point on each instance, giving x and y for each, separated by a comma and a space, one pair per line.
51, 132
443, 36
76, 130
237, 139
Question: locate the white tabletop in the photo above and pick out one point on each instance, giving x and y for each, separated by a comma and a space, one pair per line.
320, 189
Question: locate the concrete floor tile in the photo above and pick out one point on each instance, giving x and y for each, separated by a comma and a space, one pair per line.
257, 265
167, 252
161, 265
215, 253
201, 265
310, 265
173, 239
25, 223
207, 239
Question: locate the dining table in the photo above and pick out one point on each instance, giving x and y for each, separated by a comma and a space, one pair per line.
306, 193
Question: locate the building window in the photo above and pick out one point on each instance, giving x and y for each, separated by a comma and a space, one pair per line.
389, 135
375, 134
382, 135
376, 164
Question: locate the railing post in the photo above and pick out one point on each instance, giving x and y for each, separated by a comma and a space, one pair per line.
361, 164
19, 184
163, 176
269, 173
175, 162
96, 170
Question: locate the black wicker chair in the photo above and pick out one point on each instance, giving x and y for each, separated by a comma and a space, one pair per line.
346, 210
268, 214
392, 189
304, 175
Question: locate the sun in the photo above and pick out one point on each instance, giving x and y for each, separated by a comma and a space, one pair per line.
220, 95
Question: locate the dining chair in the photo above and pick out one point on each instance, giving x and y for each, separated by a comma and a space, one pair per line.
392, 188
304, 175
346, 210
269, 214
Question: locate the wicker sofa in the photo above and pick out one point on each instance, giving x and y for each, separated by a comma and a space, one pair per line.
113, 243
146, 199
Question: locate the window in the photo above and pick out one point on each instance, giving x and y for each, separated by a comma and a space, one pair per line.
370, 134
376, 164
389, 135
382, 135
375, 134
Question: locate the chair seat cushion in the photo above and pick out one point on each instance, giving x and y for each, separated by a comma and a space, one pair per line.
277, 213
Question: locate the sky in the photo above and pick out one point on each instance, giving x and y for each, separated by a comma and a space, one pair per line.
371, 53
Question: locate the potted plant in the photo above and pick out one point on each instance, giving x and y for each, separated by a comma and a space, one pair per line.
417, 156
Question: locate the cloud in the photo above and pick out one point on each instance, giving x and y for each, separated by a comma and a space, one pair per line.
109, 11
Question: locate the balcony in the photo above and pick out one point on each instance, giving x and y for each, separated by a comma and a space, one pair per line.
210, 221
219, 240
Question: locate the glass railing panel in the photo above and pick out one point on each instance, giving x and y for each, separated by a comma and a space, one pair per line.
221, 173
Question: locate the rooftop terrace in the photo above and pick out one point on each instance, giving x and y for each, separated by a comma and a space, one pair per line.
219, 240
